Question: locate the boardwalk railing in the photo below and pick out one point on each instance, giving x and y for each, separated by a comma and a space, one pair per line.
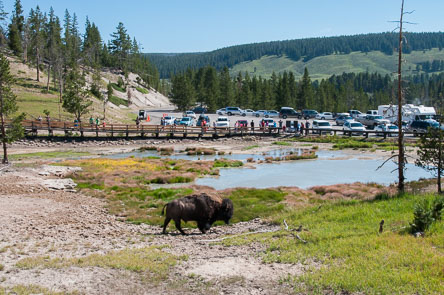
125, 130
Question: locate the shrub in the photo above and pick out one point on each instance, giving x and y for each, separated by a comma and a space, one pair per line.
425, 213
118, 88
118, 101
142, 90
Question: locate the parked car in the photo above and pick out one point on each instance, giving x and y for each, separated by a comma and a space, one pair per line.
259, 113
342, 119
307, 114
233, 111
201, 119
386, 128
287, 112
189, 114
354, 126
322, 127
372, 121
223, 122
271, 114
324, 116
168, 120
418, 127
186, 121
200, 110
354, 113
221, 112
335, 115
247, 112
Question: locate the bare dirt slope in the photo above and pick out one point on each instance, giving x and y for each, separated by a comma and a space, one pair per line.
37, 221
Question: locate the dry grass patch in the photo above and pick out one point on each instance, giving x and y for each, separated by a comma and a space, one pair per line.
150, 260
30, 289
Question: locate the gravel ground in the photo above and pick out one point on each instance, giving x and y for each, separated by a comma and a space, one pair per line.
36, 221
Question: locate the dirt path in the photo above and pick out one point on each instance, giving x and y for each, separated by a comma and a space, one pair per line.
37, 221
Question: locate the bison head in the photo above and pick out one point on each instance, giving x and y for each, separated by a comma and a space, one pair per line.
226, 210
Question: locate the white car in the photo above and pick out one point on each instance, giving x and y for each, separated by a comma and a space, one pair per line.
223, 122
259, 113
380, 129
221, 112
190, 114
168, 120
247, 112
324, 116
322, 126
354, 126
271, 114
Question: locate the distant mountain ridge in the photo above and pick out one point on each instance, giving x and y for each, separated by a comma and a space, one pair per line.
295, 50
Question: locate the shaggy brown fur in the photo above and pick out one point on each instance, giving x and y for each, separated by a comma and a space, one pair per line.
202, 208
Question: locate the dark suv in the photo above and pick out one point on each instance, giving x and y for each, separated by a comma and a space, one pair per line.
288, 113
419, 126
199, 110
307, 114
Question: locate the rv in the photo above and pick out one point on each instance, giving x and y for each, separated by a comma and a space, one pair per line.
409, 112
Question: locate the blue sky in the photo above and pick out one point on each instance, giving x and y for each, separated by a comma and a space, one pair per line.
199, 25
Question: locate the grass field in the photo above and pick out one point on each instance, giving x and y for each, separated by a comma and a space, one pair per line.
346, 254
324, 66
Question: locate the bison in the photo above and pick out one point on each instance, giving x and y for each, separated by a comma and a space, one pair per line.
201, 208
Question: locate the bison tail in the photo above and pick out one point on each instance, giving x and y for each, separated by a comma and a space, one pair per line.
163, 209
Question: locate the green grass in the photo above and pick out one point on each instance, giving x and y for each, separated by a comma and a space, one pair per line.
142, 90
116, 87
353, 142
250, 147
283, 143
33, 105
151, 260
324, 66
256, 203
118, 101
224, 163
351, 256
49, 155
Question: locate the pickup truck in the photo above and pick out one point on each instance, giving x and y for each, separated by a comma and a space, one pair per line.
372, 120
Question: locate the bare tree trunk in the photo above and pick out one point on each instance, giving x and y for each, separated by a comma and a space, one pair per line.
401, 163
3, 131
38, 65
49, 77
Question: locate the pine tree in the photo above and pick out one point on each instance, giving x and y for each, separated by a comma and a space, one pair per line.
16, 29
305, 95
53, 43
8, 106
182, 94
37, 34
3, 16
226, 88
120, 45
75, 98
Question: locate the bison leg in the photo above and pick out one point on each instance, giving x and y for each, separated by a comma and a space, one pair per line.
165, 224
203, 226
177, 222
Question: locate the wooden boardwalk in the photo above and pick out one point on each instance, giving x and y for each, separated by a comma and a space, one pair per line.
70, 129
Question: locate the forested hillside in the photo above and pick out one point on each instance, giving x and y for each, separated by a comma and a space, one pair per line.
338, 93
302, 50
58, 48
